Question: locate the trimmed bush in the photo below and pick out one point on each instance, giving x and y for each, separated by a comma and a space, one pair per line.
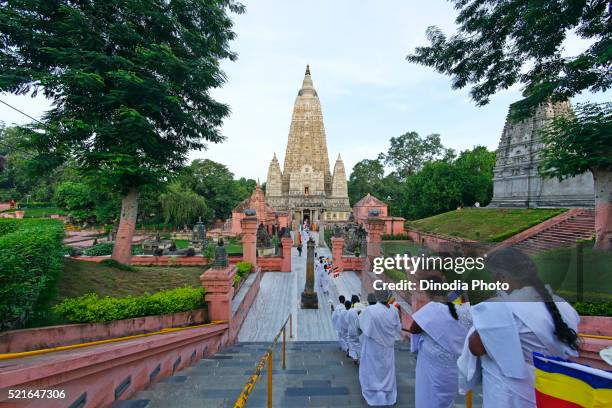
243, 269
31, 258
593, 309
90, 308
106, 248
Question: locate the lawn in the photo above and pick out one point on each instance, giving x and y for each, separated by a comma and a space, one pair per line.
484, 224
80, 277
42, 212
390, 248
230, 247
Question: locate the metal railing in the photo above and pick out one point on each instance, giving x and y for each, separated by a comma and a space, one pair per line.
261, 364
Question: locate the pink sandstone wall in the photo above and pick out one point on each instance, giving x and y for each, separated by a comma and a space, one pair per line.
240, 314
165, 260
15, 341
270, 263
352, 263
361, 212
97, 372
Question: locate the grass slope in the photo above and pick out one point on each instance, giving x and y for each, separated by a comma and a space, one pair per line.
484, 224
80, 277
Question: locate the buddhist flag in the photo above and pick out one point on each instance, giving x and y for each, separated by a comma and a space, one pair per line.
562, 384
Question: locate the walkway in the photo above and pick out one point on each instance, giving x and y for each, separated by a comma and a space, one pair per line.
279, 295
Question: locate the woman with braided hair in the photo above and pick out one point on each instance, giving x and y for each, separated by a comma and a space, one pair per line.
438, 332
509, 328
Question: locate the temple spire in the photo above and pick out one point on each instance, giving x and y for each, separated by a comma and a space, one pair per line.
307, 70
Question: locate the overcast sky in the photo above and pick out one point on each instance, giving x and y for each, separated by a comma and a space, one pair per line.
368, 91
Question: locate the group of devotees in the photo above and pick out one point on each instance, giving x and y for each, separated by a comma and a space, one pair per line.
458, 345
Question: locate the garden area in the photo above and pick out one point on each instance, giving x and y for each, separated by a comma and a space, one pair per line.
40, 285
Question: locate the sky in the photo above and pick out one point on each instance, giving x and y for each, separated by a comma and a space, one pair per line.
368, 91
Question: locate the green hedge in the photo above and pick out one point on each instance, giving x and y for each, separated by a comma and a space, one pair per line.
243, 269
91, 308
594, 308
31, 258
106, 248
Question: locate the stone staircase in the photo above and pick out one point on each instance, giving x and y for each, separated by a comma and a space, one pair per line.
317, 375
562, 234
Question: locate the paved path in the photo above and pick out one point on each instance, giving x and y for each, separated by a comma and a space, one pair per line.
279, 295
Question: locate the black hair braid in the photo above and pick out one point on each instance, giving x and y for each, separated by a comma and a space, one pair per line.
563, 332
452, 310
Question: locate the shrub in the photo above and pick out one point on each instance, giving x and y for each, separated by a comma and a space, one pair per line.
106, 248
594, 308
31, 258
101, 249
90, 308
243, 268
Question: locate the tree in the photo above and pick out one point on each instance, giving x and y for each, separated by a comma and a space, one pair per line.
75, 198
409, 152
216, 184
502, 43
444, 185
579, 143
130, 85
435, 189
366, 177
182, 206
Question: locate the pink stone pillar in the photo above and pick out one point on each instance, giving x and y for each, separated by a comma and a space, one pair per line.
375, 227
337, 249
219, 292
287, 243
249, 240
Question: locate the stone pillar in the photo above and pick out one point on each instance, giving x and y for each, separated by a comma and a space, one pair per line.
337, 249
218, 282
287, 243
249, 239
310, 300
375, 227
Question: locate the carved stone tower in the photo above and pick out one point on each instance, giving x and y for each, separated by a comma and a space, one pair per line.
305, 187
516, 179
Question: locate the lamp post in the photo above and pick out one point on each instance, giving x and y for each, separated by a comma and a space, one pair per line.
310, 299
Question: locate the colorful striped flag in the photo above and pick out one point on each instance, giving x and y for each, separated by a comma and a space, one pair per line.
562, 384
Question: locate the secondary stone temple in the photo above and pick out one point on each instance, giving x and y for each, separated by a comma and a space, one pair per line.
516, 178
306, 188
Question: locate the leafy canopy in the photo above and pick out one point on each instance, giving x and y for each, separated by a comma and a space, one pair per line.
129, 81
502, 43
409, 152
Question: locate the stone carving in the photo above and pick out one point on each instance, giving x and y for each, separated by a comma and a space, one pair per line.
516, 179
221, 260
198, 235
263, 238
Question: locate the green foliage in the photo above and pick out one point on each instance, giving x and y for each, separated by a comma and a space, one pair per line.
594, 308
244, 268
209, 251
143, 71
74, 198
182, 206
445, 185
398, 237
106, 248
366, 177
216, 184
409, 152
578, 143
502, 43
31, 257
90, 308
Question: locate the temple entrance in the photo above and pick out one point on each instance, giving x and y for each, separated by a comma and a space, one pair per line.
306, 216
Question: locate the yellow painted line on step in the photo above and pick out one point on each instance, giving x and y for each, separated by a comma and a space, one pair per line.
7, 356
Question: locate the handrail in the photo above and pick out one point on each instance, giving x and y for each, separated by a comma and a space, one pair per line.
265, 358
